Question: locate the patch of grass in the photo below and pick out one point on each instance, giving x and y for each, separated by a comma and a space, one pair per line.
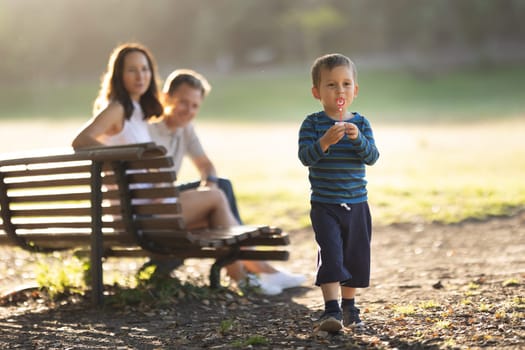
157, 291
226, 326
511, 282
405, 310
449, 343
483, 307
473, 286
443, 324
252, 340
429, 304
59, 275
256, 340
466, 302
519, 300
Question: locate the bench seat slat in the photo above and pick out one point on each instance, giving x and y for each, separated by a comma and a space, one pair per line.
283, 239
175, 239
72, 239
229, 236
275, 255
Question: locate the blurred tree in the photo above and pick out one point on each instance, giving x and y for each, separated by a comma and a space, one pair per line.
71, 39
313, 23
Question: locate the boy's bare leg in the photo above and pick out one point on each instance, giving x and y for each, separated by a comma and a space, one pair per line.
348, 292
330, 291
331, 320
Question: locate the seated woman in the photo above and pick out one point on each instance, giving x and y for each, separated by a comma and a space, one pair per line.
127, 99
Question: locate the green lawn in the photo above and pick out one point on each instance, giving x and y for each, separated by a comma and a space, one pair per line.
283, 95
444, 173
452, 146
385, 96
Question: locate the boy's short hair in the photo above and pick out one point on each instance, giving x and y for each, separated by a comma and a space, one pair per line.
330, 61
186, 76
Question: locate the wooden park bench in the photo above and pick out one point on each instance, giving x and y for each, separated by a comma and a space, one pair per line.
115, 201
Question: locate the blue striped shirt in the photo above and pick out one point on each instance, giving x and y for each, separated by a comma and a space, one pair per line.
337, 176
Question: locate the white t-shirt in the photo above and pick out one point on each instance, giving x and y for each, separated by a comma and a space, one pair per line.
178, 143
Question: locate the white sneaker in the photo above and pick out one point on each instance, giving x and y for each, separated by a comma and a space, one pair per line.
252, 282
283, 279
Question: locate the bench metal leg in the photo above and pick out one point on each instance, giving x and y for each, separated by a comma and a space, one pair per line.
97, 283
215, 271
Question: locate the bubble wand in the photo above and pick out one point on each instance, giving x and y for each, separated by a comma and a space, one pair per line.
340, 103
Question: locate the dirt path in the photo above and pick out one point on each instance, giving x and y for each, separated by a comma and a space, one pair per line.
433, 286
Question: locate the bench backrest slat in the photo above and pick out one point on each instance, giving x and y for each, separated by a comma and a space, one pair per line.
51, 197
25, 183
48, 169
153, 163
99, 153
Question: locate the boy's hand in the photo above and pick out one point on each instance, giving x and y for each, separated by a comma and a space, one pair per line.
352, 131
332, 136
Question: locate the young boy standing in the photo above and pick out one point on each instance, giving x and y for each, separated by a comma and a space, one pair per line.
336, 145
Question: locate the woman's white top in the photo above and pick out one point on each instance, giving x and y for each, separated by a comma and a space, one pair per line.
135, 130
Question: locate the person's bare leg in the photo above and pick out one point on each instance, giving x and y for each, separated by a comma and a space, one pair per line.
236, 271
348, 292
209, 208
331, 321
256, 266
330, 291
206, 208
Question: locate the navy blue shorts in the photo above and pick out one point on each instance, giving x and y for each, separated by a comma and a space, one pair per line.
343, 235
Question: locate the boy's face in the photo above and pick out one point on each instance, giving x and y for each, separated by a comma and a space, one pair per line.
182, 106
335, 83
